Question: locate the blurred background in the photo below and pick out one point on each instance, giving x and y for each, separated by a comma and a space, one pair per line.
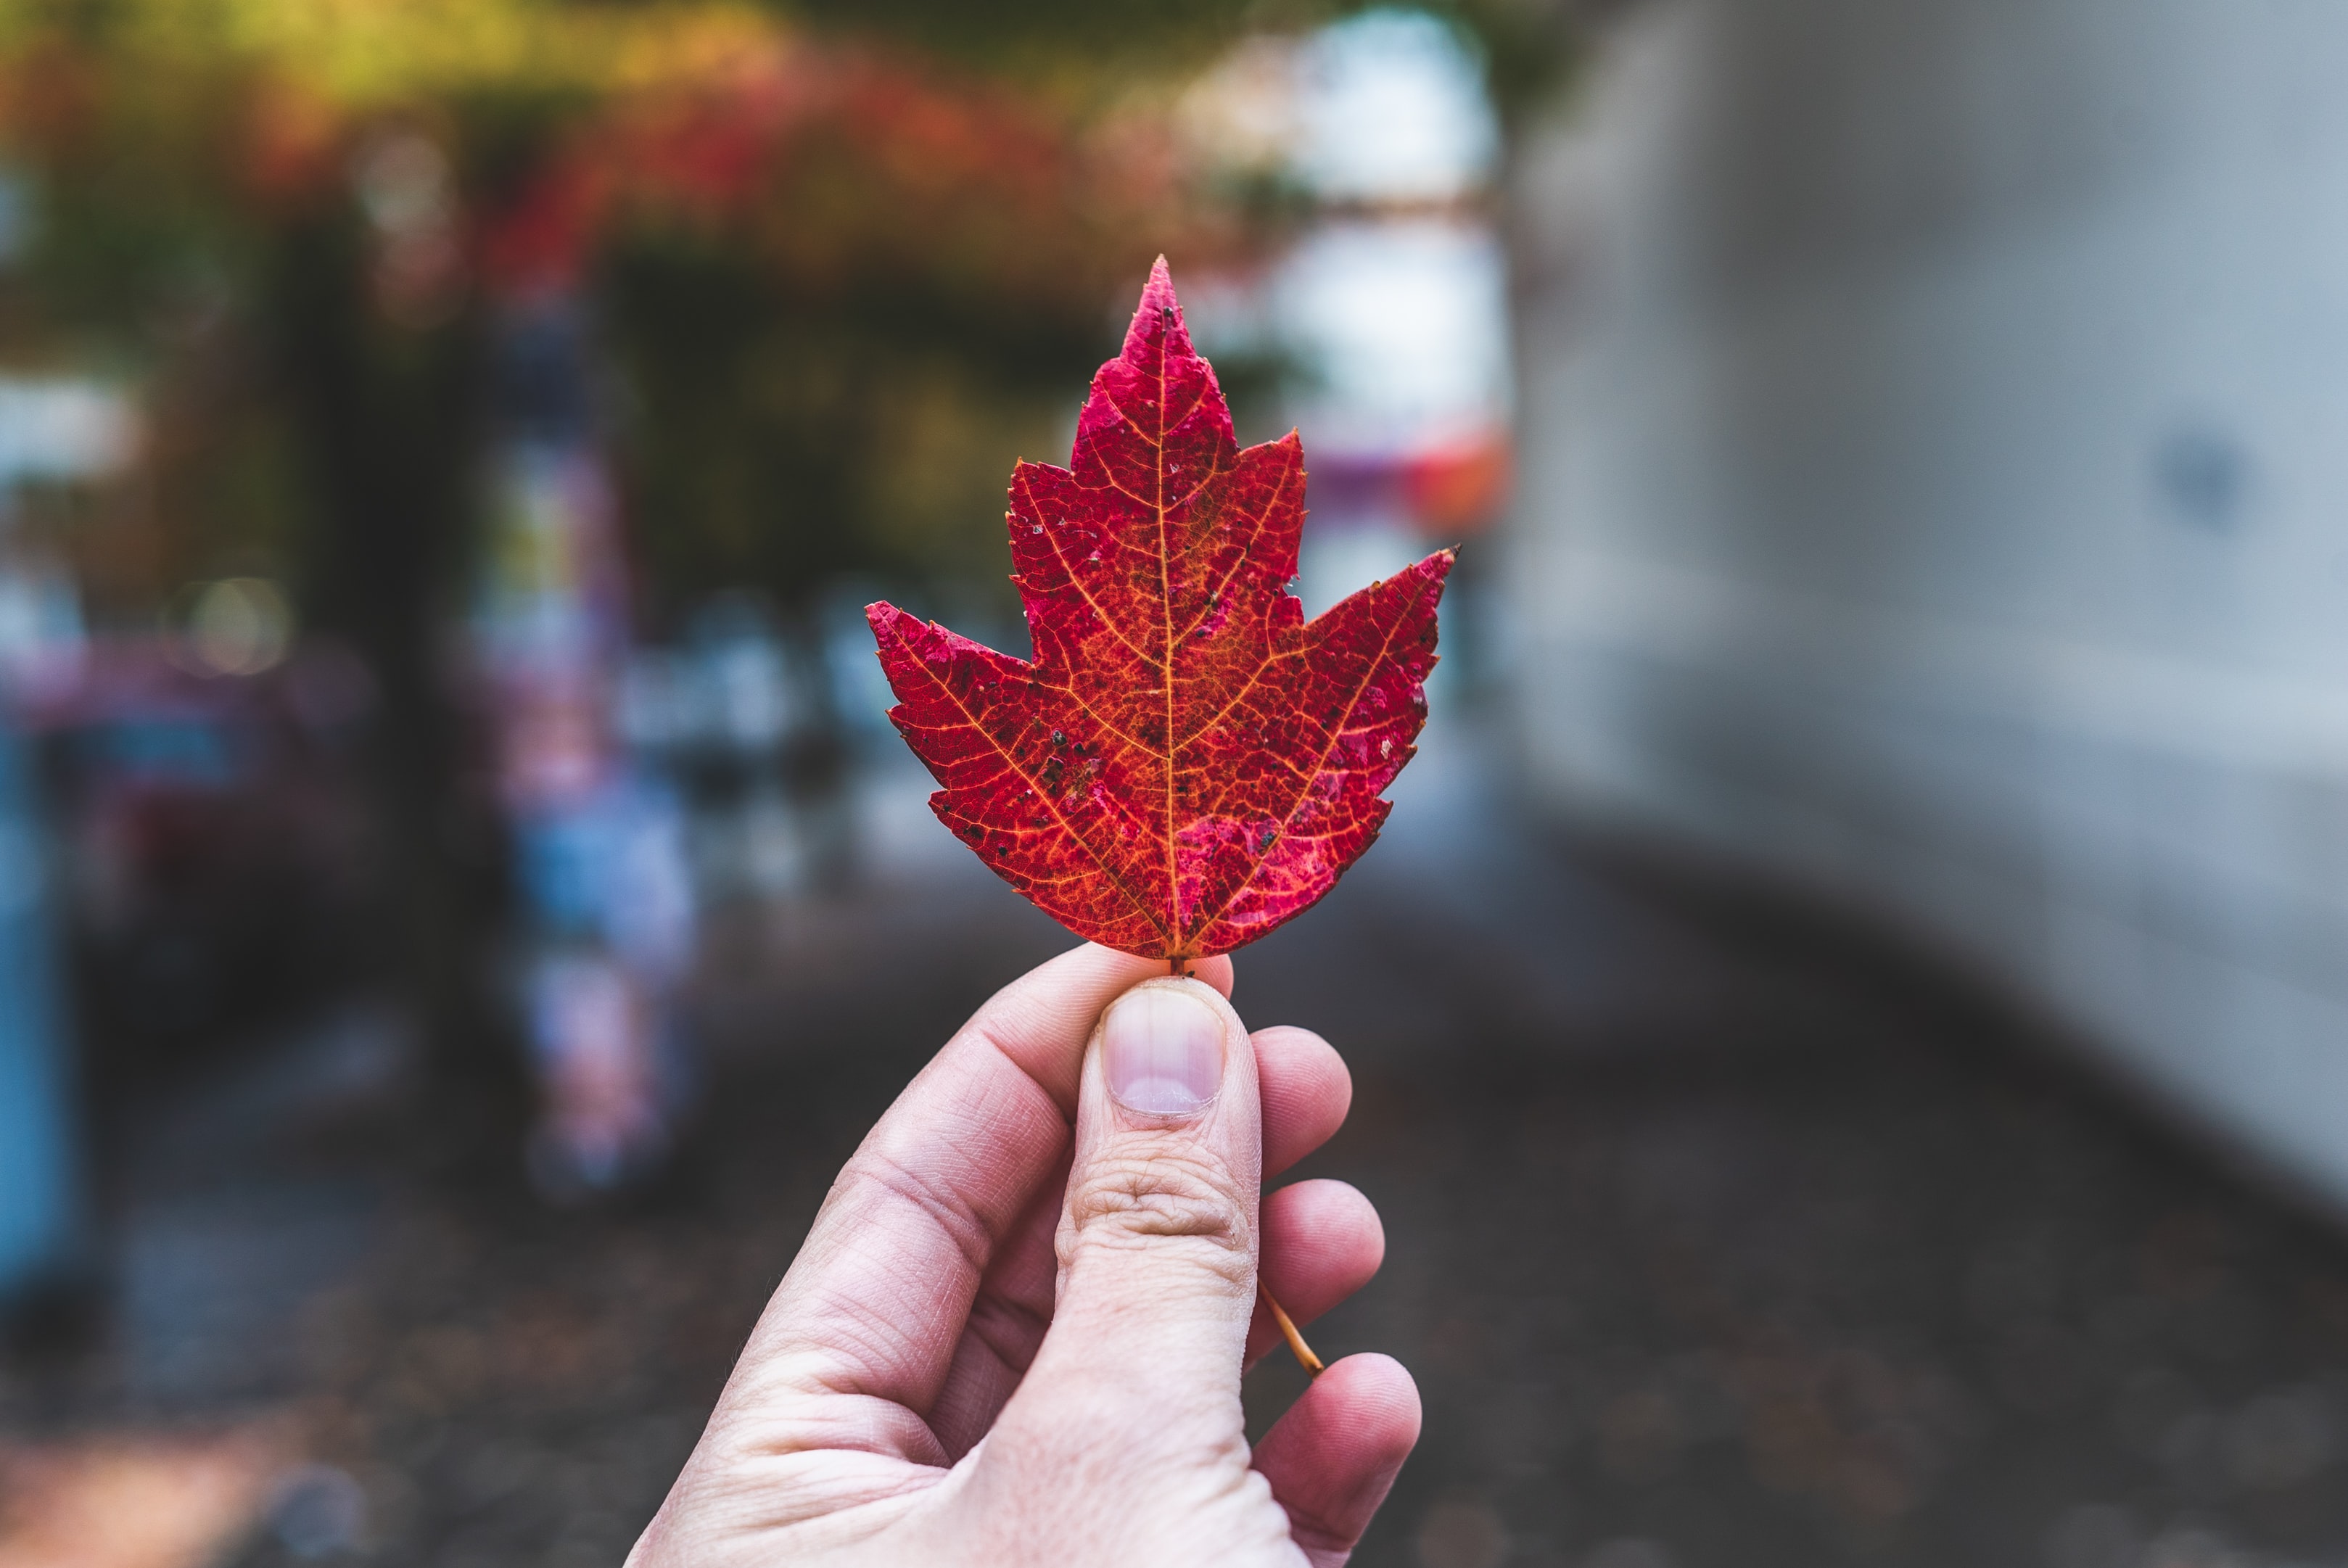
1849, 1015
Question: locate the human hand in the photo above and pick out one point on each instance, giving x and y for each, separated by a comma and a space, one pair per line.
1014, 1337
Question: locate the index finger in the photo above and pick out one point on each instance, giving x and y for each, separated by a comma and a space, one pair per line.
856, 1342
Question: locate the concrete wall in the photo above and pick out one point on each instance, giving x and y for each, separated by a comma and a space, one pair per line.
1935, 487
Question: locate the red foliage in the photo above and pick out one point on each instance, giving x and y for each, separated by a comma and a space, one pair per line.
834, 168
839, 167
1186, 765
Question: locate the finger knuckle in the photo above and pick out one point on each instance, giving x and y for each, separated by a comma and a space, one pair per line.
1140, 1194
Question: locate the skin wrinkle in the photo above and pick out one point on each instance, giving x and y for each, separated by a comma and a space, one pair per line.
867, 1516
990, 1305
1006, 1326
1101, 1460
1157, 1194
1319, 1519
863, 1336
998, 1107
1007, 1321
983, 1031
928, 1199
1097, 1429
908, 1274
868, 1424
1007, 1330
947, 1210
1094, 1454
1008, 1316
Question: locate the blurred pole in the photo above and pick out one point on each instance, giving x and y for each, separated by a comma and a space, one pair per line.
387, 393
40, 1203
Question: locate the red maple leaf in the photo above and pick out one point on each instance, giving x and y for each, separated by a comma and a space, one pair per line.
1185, 764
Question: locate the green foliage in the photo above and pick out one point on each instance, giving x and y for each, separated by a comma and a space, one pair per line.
825, 376
1092, 49
1106, 41
780, 437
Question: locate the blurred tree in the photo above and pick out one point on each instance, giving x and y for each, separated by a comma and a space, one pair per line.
775, 226
1086, 48
846, 262
833, 279
905, 195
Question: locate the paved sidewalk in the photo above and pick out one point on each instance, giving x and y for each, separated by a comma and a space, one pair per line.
1713, 1241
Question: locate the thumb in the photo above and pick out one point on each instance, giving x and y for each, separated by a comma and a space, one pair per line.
1158, 1241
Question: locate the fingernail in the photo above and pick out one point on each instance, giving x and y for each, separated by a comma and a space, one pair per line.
1162, 1051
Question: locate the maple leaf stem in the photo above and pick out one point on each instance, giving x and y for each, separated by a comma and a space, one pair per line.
1304, 1352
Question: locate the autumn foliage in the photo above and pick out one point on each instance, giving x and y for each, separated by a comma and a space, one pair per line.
1186, 762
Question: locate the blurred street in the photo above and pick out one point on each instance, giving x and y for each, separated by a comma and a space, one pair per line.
1847, 1013
1713, 1238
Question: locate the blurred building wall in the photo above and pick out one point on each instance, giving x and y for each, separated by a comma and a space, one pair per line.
1935, 487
